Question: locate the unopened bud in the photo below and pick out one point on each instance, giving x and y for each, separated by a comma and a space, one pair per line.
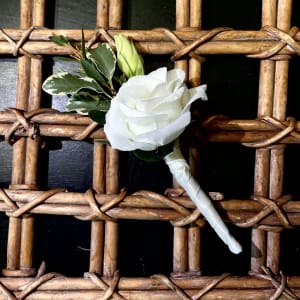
129, 60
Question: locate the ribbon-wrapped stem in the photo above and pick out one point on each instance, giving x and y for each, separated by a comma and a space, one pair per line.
181, 172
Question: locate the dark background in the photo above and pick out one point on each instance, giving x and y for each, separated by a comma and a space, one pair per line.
146, 247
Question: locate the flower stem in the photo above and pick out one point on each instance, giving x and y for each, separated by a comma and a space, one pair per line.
181, 172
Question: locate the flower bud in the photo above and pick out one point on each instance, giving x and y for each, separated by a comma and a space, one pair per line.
128, 58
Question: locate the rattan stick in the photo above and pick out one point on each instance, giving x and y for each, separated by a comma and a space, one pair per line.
102, 13
154, 36
111, 228
33, 145
279, 112
112, 171
161, 48
180, 250
239, 136
97, 229
194, 232
250, 294
115, 14
19, 148
194, 250
237, 283
262, 156
180, 236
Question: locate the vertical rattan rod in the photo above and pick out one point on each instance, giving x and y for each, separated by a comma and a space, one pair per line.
180, 246
102, 13
97, 227
19, 148
115, 14
112, 170
262, 156
33, 145
279, 112
194, 232
97, 230
111, 228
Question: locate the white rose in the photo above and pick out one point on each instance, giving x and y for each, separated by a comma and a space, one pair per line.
150, 110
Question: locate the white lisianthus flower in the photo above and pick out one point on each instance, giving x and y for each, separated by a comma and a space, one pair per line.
151, 111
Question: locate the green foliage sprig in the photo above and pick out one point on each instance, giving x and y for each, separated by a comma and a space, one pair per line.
99, 76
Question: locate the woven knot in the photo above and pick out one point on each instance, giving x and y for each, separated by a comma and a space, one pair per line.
98, 213
180, 293
186, 218
289, 129
95, 38
286, 39
17, 45
86, 132
31, 286
109, 290
280, 284
24, 124
25, 209
269, 207
189, 49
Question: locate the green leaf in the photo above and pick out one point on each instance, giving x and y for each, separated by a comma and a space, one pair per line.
155, 155
59, 40
105, 60
64, 83
91, 71
84, 102
98, 116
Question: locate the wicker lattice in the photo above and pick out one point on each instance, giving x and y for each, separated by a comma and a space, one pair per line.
267, 213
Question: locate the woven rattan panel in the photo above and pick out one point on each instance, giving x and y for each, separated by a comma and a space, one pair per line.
264, 219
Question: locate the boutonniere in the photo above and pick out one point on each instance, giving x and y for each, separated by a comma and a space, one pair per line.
142, 113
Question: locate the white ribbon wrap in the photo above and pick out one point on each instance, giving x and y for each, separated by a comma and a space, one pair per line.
181, 172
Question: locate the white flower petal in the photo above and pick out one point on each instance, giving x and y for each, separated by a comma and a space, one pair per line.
150, 110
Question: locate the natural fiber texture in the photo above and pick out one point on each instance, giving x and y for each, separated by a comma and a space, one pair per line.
25, 127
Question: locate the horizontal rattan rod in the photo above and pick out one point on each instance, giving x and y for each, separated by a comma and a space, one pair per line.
65, 131
222, 123
237, 211
61, 131
134, 200
234, 294
143, 35
159, 48
57, 118
72, 125
144, 283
